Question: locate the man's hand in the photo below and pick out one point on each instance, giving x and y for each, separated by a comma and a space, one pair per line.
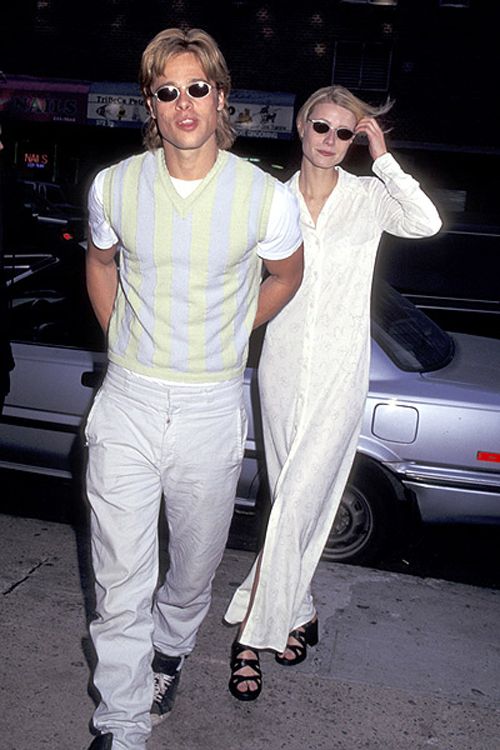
102, 281
285, 277
376, 140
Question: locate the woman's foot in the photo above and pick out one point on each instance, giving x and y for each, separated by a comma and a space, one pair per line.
245, 682
298, 641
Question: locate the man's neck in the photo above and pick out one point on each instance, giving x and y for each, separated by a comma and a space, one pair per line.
190, 164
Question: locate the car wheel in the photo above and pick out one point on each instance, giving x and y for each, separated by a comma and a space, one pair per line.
365, 519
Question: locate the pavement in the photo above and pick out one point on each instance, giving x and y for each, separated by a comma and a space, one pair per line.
403, 663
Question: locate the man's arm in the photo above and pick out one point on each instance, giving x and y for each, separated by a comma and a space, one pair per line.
102, 281
285, 277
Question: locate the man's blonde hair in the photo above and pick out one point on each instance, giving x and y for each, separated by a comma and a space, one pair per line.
170, 42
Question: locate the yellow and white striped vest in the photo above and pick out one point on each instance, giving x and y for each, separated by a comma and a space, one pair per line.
189, 270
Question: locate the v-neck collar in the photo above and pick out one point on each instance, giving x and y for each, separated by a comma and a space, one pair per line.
181, 204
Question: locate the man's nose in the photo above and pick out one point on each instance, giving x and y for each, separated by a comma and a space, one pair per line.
183, 100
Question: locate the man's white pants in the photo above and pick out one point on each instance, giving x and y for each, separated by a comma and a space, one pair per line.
146, 439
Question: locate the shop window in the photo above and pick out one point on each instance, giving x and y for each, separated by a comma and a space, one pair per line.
362, 65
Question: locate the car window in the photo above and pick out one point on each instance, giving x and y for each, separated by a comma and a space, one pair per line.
449, 264
49, 302
411, 339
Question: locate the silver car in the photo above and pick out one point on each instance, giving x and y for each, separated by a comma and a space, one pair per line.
430, 441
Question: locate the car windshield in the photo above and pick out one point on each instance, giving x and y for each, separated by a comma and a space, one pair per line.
412, 340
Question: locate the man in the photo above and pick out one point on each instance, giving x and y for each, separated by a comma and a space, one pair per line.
190, 223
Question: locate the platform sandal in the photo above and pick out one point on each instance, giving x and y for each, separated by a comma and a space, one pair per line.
238, 663
306, 635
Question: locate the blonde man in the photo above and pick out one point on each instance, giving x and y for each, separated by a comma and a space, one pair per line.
192, 225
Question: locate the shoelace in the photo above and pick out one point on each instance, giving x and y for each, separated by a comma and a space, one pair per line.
162, 682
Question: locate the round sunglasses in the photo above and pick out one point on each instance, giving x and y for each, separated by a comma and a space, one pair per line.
322, 127
196, 90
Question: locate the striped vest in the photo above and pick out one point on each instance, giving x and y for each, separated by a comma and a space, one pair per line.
189, 271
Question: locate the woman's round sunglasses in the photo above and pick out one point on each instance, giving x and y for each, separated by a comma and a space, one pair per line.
322, 127
196, 90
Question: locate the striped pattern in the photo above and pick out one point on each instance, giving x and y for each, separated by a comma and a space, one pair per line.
189, 270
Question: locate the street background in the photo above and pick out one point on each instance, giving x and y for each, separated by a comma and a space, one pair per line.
462, 553
409, 653
403, 663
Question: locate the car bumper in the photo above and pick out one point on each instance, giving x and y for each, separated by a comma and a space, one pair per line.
449, 494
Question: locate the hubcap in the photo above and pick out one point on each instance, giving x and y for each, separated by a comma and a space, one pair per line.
352, 528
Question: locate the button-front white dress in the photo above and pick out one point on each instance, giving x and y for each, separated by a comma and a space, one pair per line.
313, 381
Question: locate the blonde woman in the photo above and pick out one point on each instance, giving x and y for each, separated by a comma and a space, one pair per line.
314, 371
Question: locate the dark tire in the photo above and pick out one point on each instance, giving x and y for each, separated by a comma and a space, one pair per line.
366, 519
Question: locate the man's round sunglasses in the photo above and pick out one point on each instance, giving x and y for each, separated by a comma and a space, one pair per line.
196, 90
322, 127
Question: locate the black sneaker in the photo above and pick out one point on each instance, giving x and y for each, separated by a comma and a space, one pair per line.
102, 742
167, 673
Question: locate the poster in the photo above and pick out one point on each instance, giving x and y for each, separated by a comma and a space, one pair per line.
115, 105
262, 114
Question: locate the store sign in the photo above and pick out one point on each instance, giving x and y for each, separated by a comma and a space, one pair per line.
262, 114
115, 105
37, 100
257, 114
36, 160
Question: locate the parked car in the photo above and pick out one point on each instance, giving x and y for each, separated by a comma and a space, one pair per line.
430, 440
49, 207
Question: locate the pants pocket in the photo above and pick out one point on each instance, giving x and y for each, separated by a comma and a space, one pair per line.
91, 416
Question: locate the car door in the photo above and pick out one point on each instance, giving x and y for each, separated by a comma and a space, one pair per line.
58, 353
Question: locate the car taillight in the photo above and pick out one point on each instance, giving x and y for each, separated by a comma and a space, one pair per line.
486, 456
67, 236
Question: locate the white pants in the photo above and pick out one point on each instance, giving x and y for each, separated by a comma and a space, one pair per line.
146, 439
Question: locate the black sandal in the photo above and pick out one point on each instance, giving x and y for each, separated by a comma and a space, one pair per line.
236, 679
308, 636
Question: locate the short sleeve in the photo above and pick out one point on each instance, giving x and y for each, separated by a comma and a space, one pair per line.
283, 235
102, 233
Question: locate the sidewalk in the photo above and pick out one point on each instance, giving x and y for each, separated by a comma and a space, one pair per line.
403, 663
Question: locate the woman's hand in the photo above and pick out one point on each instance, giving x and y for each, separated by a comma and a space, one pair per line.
376, 141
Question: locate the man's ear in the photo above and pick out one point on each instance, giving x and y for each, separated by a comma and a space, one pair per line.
150, 107
221, 100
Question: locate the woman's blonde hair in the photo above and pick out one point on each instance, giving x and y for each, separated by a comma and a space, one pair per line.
171, 42
343, 98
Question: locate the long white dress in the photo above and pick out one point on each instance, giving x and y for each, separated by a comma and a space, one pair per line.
313, 380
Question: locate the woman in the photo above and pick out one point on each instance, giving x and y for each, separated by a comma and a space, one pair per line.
314, 371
